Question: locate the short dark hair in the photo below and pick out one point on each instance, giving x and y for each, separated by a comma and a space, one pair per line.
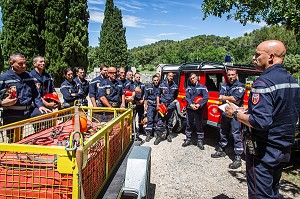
154, 76
66, 70
103, 66
137, 74
78, 68
191, 74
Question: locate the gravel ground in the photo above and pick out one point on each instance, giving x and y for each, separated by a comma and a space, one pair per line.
189, 173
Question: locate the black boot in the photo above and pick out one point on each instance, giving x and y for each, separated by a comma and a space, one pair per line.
237, 162
200, 144
186, 143
169, 138
148, 138
219, 153
158, 139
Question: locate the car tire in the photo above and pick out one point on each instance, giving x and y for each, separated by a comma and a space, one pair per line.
177, 123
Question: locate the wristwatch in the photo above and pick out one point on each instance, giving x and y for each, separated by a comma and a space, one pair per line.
234, 114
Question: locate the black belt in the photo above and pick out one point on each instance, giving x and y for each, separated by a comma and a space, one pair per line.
18, 108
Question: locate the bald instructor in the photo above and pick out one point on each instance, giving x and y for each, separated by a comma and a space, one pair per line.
270, 121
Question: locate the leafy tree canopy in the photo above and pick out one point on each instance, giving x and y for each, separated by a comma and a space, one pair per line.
271, 11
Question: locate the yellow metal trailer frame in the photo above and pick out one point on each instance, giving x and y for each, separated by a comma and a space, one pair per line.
34, 171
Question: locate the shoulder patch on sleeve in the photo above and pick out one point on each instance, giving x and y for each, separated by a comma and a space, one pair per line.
255, 98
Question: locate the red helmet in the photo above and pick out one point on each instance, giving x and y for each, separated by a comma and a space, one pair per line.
128, 93
162, 110
51, 97
197, 99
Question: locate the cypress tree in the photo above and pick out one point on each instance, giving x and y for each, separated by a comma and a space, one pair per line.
20, 33
76, 41
120, 40
1, 60
54, 34
112, 37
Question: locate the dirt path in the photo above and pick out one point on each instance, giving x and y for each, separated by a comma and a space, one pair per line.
189, 173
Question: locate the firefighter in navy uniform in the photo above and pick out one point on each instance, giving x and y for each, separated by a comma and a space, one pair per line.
167, 96
194, 92
139, 90
84, 84
151, 92
70, 90
111, 93
94, 85
44, 82
273, 111
233, 91
23, 95
121, 77
129, 85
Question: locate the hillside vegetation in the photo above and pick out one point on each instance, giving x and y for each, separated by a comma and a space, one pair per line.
214, 48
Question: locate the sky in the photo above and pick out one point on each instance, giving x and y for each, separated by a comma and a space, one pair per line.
149, 21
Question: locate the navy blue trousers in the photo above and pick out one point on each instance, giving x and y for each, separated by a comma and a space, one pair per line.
194, 120
152, 117
232, 126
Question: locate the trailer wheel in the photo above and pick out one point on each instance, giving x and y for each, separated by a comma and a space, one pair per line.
177, 123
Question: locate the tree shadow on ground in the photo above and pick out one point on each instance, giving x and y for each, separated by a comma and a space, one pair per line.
289, 187
222, 196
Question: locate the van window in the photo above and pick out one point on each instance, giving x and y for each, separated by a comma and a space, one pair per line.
213, 81
247, 79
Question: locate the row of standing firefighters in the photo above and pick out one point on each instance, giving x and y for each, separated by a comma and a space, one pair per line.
28, 94
273, 108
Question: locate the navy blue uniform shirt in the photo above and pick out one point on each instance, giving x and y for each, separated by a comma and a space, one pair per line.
24, 84
113, 91
94, 85
67, 88
139, 96
84, 85
151, 92
237, 90
193, 91
124, 82
43, 82
130, 85
274, 107
168, 93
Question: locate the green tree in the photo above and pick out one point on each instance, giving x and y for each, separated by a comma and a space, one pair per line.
105, 39
20, 32
54, 35
93, 58
121, 54
75, 45
272, 12
292, 64
1, 60
113, 46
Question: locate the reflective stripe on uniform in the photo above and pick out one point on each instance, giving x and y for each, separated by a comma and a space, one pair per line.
275, 87
10, 81
66, 86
